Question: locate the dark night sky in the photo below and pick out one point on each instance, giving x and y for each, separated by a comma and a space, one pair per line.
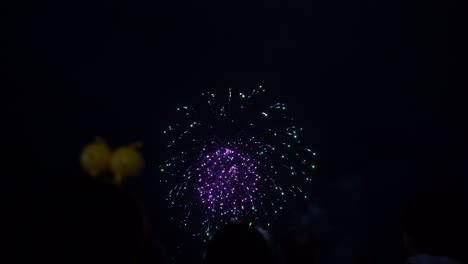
369, 80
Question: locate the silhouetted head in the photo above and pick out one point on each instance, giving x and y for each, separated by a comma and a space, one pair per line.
434, 224
238, 243
85, 222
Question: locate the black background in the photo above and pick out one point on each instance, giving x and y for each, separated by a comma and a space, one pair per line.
369, 81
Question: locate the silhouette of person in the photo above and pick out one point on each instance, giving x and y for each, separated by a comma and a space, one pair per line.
86, 221
238, 243
434, 228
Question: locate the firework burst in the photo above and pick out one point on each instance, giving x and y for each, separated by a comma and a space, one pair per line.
234, 158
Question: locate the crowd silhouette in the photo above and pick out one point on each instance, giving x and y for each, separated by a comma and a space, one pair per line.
93, 222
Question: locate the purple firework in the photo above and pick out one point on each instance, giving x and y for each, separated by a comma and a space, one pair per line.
234, 160
228, 183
